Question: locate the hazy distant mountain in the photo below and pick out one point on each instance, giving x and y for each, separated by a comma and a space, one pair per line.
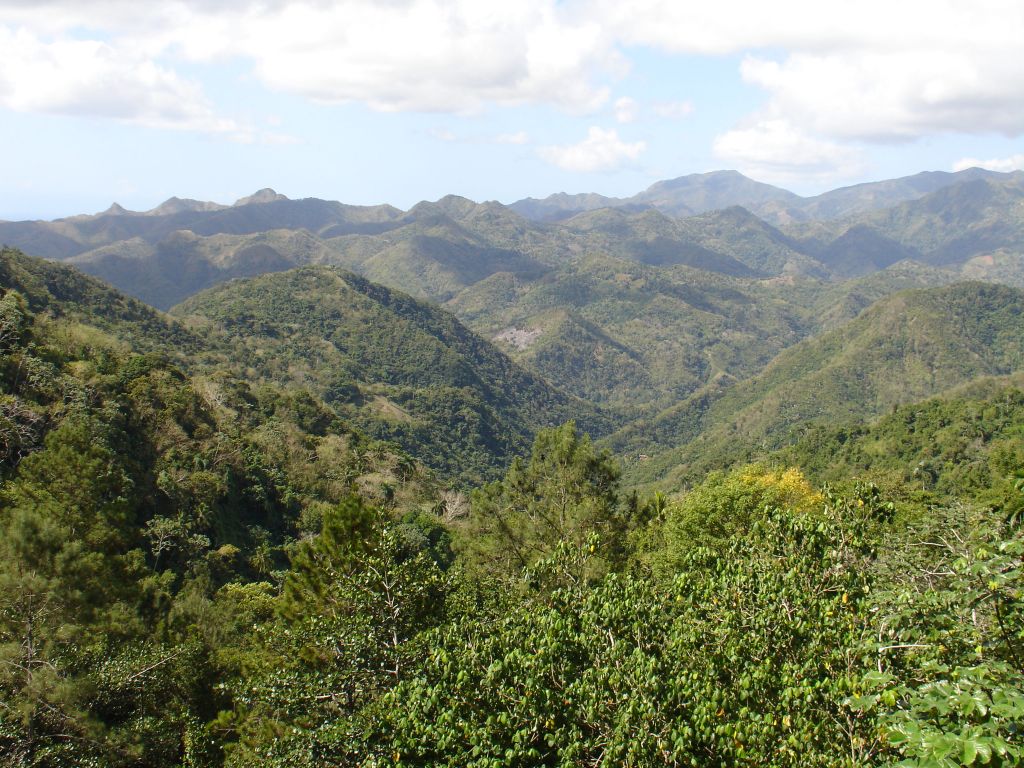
560, 205
623, 333
976, 226
697, 193
701, 192
860, 198
684, 196
653, 238
971, 224
177, 205
861, 250
183, 263
261, 212
265, 195
759, 245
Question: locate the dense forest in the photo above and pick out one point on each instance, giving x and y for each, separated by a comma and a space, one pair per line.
711, 518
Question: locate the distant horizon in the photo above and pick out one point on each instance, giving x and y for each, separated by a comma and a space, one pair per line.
116, 204
410, 100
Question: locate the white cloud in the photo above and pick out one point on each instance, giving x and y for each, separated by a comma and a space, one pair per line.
625, 110
876, 71
673, 109
1003, 164
91, 78
426, 55
774, 150
601, 150
893, 96
519, 137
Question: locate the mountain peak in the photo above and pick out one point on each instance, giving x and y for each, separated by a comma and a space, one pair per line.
454, 206
174, 205
115, 209
265, 195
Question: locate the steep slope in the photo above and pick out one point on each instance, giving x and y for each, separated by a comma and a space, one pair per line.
956, 444
978, 222
380, 361
903, 348
400, 369
961, 221
626, 334
167, 272
59, 291
760, 246
651, 238
861, 250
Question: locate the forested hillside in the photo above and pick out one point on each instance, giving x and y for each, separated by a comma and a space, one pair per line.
400, 369
902, 349
644, 482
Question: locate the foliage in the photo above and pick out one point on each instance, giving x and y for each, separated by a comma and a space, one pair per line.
205, 562
566, 492
743, 657
356, 602
406, 372
725, 507
949, 685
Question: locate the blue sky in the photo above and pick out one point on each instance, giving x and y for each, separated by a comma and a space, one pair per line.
370, 102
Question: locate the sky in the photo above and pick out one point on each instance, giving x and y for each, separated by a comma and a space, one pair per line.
396, 101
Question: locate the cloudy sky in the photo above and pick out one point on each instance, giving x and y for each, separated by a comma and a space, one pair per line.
370, 101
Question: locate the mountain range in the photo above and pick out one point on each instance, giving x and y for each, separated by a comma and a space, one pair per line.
705, 312
968, 222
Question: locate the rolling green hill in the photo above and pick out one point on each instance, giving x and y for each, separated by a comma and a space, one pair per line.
904, 348
61, 292
398, 368
960, 443
181, 264
975, 227
627, 334
299, 521
383, 363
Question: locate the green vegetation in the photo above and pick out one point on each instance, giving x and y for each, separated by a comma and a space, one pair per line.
131, 495
399, 369
299, 522
904, 348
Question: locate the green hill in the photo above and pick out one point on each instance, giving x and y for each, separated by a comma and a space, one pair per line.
380, 361
626, 334
975, 227
170, 270
398, 368
958, 444
61, 292
902, 349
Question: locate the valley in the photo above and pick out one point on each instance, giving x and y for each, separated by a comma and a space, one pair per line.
572, 481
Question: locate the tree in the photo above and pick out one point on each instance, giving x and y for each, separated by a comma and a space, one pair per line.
726, 506
746, 657
356, 602
566, 492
